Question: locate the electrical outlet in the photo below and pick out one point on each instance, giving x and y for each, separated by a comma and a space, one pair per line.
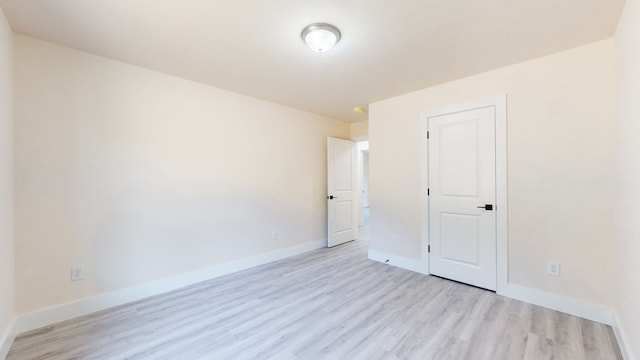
395, 239
77, 273
274, 235
553, 268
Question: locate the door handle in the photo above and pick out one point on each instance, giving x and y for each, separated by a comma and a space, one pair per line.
331, 197
486, 207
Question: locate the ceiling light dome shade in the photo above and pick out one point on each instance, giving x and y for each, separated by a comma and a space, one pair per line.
321, 37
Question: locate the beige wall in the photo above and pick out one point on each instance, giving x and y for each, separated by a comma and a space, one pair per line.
137, 175
360, 130
627, 239
561, 136
6, 179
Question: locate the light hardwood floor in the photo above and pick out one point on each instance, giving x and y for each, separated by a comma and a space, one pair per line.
326, 304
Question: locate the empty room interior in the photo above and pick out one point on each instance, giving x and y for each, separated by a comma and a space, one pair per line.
319, 179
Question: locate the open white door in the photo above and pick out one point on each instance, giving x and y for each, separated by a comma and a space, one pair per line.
462, 200
342, 199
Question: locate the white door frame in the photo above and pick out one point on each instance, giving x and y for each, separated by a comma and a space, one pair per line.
361, 148
502, 256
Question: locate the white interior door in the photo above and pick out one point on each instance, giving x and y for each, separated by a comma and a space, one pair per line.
342, 197
462, 187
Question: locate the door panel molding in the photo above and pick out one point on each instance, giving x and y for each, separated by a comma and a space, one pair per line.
501, 210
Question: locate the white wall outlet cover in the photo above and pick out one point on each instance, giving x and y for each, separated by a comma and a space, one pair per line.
553, 268
77, 273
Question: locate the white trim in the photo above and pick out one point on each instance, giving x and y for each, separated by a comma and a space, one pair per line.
623, 340
502, 222
502, 257
424, 185
360, 138
7, 338
86, 306
565, 304
398, 261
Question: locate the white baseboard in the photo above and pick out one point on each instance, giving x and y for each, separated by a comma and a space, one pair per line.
568, 305
398, 261
565, 304
92, 304
86, 306
7, 338
623, 339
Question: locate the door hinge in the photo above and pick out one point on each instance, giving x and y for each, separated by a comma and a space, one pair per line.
428, 192
429, 248
427, 135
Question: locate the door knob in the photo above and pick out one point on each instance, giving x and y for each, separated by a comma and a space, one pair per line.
331, 197
486, 207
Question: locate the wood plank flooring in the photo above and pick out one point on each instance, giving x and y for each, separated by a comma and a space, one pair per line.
326, 304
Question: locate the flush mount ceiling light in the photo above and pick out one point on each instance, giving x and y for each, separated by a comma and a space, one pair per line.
320, 37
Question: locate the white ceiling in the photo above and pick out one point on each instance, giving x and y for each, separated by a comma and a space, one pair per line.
253, 47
